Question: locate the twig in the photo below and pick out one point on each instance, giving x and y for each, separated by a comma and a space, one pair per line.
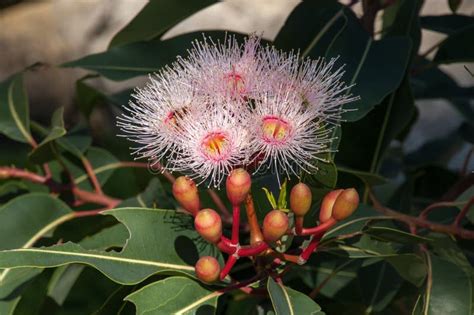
411, 220
424, 214
464, 211
90, 172
466, 162
87, 196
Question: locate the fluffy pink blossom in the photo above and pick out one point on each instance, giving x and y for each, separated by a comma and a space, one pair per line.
230, 105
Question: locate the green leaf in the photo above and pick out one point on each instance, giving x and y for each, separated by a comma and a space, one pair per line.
355, 223
458, 47
370, 179
454, 5
379, 283
156, 18
271, 199
464, 197
287, 301
174, 295
62, 281
140, 58
45, 150
451, 289
317, 24
394, 235
25, 220
363, 58
282, 204
447, 24
326, 175
14, 110
148, 198
160, 241
65, 277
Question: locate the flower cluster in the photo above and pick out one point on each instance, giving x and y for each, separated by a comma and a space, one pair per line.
229, 105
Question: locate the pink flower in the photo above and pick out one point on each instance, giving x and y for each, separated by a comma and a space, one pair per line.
230, 105
227, 69
213, 143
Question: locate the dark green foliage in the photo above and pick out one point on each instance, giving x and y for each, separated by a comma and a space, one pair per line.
139, 258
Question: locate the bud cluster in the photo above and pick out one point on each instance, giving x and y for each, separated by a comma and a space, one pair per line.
337, 205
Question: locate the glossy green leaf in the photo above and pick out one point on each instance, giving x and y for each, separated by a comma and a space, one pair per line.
363, 58
287, 301
379, 283
317, 24
451, 290
45, 150
454, 5
140, 58
174, 295
394, 235
325, 175
62, 281
160, 241
410, 267
25, 220
447, 24
458, 47
464, 198
156, 18
355, 223
371, 179
14, 110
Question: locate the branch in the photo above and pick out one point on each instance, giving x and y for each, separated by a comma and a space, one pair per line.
83, 195
91, 174
411, 220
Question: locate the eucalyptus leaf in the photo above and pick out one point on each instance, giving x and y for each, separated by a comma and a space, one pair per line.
45, 150
14, 110
156, 18
175, 295
147, 252
287, 301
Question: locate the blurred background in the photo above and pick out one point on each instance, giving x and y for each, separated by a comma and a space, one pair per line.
56, 31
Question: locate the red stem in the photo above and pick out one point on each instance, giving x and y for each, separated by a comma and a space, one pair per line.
92, 176
235, 224
462, 214
299, 225
228, 266
313, 245
252, 250
320, 229
226, 246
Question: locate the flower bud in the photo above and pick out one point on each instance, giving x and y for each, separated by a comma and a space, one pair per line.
300, 199
325, 213
275, 225
207, 269
238, 186
209, 225
346, 203
186, 193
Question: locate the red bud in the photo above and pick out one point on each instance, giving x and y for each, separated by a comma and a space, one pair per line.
325, 213
238, 186
300, 199
209, 225
346, 203
186, 193
207, 269
275, 225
